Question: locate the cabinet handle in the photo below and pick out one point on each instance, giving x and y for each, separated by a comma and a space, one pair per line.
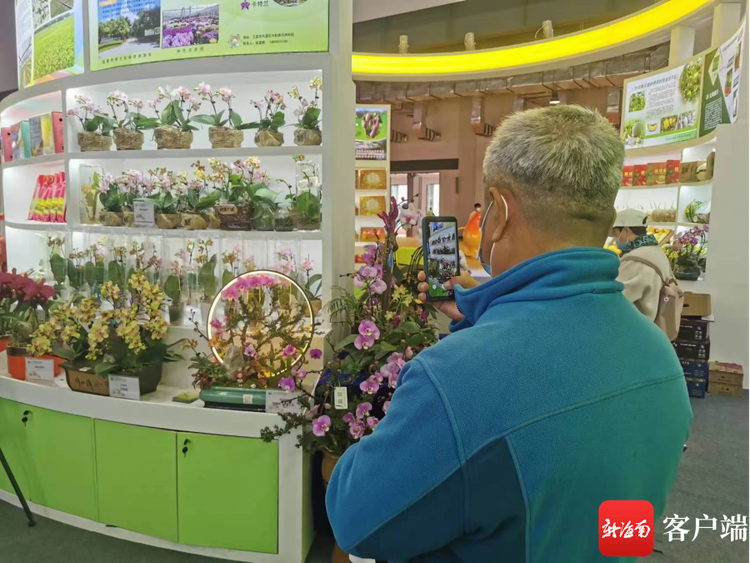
184, 451
25, 418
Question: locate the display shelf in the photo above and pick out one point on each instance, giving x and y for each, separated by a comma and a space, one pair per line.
691, 225
371, 164
654, 187
47, 159
690, 184
36, 226
242, 152
183, 233
671, 148
662, 225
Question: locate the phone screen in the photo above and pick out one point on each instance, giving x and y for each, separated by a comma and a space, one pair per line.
440, 254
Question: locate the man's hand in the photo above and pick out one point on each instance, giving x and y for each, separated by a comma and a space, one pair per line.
448, 308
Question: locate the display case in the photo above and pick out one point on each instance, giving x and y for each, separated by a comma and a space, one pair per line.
62, 223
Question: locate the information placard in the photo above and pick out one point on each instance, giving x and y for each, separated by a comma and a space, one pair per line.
130, 32
662, 107
49, 39
721, 83
371, 133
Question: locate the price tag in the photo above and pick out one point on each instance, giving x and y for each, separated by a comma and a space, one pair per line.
340, 398
281, 401
143, 209
40, 370
123, 387
247, 399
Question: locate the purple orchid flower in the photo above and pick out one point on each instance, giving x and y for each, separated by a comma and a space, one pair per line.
369, 328
357, 431
288, 351
321, 425
316, 354
363, 342
349, 418
372, 422
287, 384
389, 219
363, 409
392, 380
370, 385
378, 287
385, 406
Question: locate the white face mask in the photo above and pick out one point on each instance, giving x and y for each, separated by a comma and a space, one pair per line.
488, 267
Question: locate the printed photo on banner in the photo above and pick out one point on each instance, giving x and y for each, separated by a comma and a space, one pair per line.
128, 26
371, 136
195, 25
721, 83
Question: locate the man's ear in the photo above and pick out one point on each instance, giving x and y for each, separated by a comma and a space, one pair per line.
614, 219
503, 205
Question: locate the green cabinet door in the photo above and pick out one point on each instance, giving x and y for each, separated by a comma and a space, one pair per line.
136, 470
60, 449
13, 443
228, 492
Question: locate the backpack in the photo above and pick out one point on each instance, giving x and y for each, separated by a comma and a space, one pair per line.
671, 299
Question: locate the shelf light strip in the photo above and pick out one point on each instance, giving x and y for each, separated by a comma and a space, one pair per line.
635, 26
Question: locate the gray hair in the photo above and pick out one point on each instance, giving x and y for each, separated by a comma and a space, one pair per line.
561, 163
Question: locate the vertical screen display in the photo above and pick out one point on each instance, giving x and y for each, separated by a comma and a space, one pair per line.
441, 255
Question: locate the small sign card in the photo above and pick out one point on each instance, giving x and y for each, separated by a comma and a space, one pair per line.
123, 387
143, 210
40, 370
340, 398
282, 401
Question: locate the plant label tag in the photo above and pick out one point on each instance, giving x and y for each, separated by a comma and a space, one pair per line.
340, 398
281, 401
143, 210
40, 370
247, 399
122, 387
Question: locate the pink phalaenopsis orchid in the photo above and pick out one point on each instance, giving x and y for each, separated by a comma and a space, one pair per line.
321, 425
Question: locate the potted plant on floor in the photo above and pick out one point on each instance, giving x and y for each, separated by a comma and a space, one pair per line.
385, 326
174, 130
128, 132
97, 126
24, 304
308, 131
687, 253
224, 126
123, 334
271, 110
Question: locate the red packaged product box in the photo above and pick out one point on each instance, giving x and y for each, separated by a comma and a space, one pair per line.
639, 174
57, 129
7, 144
627, 176
673, 171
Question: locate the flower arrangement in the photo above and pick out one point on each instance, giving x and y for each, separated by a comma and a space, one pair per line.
261, 338
231, 260
687, 253
23, 303
271, 111
123, 336
386, 326
308, 115
183, 31
174, 130
97, 126
130, 124
225, 125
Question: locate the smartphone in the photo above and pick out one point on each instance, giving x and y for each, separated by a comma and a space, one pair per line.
440, 250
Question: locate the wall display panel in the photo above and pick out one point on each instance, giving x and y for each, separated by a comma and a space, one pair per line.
49, 40
130, 32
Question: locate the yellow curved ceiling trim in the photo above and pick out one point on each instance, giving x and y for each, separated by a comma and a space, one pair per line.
617, 32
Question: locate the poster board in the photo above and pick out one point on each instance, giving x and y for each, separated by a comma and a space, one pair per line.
131, 32
685, 101
49, 40
720, 102
372, 132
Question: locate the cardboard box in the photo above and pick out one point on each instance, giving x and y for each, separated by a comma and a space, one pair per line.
697, 386
692, 350
639, 174
694, 368
693, 329
697, 305
627, 176
725, 389
673, 171
656, 173
720, 372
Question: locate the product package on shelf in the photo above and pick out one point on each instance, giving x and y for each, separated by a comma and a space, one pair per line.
19, 139
673, 171
41, 135
627, 176
689, 171
7, 144
639, 174
656, 173
58, 131
48, 204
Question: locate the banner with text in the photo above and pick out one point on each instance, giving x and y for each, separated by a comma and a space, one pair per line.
721, 83
130, 32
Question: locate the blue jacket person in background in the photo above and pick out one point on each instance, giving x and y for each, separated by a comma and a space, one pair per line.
551, 395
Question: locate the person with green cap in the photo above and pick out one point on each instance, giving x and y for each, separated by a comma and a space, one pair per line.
643, 264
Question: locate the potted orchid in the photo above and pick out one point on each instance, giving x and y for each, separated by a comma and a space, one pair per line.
165, 189
259, 338
174, 130
223, 131
173, 290
97, 126
271, 110
246, 197
128, 132
385, 326
198, 202
308, 132
231, 260
687, 253
116, 196
117, 332
307, 201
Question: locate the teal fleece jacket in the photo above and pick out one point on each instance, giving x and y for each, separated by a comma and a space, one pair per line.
553, 395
